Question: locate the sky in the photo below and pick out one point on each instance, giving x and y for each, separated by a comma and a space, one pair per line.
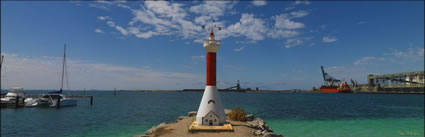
158, 44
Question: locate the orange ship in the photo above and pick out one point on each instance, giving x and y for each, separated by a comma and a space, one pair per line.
332, 85
335, 89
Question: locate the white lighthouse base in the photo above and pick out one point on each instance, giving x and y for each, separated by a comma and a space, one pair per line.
211, 111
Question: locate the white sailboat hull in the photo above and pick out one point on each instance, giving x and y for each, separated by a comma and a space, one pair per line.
67, 102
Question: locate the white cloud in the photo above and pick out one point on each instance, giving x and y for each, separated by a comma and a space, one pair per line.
279, 33
285, 27
198, 57
293, 42
112, 24
410, 56
44, 73
299, 14
104, 2
104, 18
328, 39
289, 8
166, 9
213, 8
161, 18
301, 2
259, 2
137, 33
98, 31
122, 30
202, 19
410, 53
103, 7
371, 60
239, 49
249, 26
164, 18
283, 21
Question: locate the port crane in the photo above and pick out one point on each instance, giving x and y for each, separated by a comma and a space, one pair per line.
328, 80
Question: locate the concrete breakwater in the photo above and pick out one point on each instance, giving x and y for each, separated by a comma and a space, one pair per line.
252, 127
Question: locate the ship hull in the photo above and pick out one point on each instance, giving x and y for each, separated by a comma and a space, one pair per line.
325, 89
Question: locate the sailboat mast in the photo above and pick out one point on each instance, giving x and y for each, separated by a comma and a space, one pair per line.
63, 66
1, 63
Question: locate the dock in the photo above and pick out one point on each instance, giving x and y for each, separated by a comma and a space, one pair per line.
19, 102
398, 83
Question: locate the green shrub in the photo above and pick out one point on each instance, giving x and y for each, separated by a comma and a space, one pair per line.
237, 114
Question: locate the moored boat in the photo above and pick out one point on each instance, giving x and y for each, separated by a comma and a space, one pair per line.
51, 100
12, 94
55, 98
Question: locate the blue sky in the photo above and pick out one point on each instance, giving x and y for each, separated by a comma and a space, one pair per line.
156, 45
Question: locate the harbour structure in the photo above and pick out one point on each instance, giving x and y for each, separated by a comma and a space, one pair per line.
408, 82
236, 88
210, 115
403, 83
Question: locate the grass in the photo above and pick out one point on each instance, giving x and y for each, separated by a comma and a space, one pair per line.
237, 114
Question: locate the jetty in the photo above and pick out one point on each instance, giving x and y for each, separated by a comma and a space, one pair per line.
251, 127
397, 83
19, 102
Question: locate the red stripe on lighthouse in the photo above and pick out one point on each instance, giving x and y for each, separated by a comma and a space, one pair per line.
211, 69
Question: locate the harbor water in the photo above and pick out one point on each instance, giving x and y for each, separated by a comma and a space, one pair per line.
290, 114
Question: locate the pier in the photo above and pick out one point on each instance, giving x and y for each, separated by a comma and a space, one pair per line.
402, 83
19, 101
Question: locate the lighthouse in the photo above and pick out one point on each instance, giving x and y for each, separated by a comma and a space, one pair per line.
211, 112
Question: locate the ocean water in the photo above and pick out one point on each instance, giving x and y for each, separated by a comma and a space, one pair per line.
290, 114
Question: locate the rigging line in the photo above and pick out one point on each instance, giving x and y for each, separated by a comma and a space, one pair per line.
67, 77
58, 73
5, 76
63, 65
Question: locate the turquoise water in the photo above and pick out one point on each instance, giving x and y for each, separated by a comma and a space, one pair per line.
291, 114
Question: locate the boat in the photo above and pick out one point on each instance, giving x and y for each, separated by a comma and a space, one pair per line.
51, 100
54, 98
12, 94
332, 85
31, 102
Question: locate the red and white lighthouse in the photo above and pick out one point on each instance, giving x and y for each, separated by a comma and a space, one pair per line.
211, 112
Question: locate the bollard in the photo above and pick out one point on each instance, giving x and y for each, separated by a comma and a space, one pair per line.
17, 102
91, 100
58, 103
23, 102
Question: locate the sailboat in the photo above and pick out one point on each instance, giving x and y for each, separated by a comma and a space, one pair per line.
51, 99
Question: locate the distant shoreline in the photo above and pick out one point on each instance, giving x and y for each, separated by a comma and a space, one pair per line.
4, 91
221, 90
